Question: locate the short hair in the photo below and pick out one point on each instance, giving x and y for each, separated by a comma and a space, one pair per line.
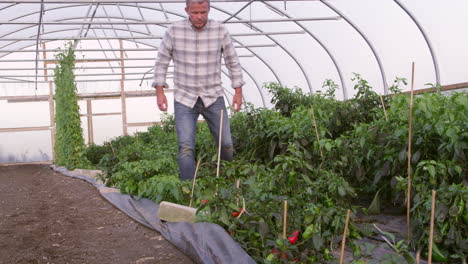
196, 1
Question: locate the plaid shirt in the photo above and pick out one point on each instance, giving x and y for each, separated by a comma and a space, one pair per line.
197, 61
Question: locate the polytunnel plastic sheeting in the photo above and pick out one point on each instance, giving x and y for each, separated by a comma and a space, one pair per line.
203, 242
298, 43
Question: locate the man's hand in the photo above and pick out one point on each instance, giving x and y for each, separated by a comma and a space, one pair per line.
161, 98
237, 99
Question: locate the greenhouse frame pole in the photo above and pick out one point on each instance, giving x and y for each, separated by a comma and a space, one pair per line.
152, 37
140, 49
81, 68
38, 37
374, 51
426, 38
130, 1
343, 85
256, 83
278, 43
125, 22
100, 59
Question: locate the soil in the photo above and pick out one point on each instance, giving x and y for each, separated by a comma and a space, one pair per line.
46, 217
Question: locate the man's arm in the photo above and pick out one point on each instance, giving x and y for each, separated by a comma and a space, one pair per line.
235, 71
237, 99
161, 98
160, 70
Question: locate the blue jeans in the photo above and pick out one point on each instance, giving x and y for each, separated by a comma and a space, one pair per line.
186, 124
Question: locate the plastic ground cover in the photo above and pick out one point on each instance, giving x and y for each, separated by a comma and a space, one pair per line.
203, 242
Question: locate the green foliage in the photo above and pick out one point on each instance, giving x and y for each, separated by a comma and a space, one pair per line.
451, 215
286, 99
395, 88
331, 88
278, 157
94, 153
69, 143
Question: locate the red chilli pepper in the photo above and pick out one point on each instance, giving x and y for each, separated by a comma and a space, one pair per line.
203, 202
236, 214
293, 239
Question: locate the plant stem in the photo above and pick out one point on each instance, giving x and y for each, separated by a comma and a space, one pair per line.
383, 105
316, 132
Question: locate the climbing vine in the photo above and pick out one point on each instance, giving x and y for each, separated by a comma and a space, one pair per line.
69, 144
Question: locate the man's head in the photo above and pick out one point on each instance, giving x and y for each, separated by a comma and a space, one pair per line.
198, 10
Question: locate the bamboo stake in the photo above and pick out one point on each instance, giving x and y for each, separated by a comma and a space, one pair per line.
193, 184
237, 186
219, 142
316, 132
243, 210
418, 256
384, 238
431, 232
383, 105
343, 243
285, 217
408, 202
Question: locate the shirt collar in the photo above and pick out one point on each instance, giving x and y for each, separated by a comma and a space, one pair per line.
194, 29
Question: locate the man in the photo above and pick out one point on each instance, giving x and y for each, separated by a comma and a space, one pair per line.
196, 45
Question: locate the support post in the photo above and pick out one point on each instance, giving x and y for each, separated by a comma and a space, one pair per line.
51, 103
89, 111
122, 90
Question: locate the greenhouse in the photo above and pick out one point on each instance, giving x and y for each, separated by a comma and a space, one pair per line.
350, 146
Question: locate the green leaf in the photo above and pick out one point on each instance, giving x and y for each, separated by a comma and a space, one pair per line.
374, 207
263, 228
415, 157
409, 257
431, 170
317, 241
341, 191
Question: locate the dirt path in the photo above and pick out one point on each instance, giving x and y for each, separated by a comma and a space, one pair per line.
46, 217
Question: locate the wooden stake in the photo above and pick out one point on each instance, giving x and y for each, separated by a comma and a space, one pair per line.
193, 184
384, 238
383, 105
418, 256
408, 202
343, 242
431, 232
237, 186
243, 210
285, 217
316, 132
219, 142
122, 91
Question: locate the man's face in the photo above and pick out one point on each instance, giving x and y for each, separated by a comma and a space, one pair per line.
198, 13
